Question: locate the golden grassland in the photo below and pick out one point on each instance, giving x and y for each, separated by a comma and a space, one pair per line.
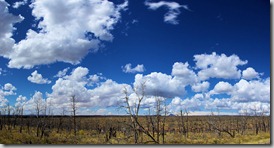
88, 133
91, 137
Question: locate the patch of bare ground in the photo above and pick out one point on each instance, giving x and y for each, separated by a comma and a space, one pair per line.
262, 141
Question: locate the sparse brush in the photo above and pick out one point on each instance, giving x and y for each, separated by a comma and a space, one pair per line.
95, 130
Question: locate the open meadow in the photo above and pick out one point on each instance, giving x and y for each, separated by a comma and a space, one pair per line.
149, 130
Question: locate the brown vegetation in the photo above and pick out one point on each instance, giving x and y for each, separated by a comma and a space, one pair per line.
118, 130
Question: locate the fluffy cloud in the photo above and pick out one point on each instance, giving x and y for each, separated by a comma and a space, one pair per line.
252, 108
6, 90
237, 95
38, 78
217, 103
127, 68
62, 73
68, 86
148, 102
67, 31
222, 87
110, 93
182, 72
223, 95
36, 105
205, 103
107, 93
173, 10
178, 104
95, 79
9, 87
19, 4
3, 101
78, 74
160, 84
20, 101
252, 97
6, 28
250, 73
250, 91
218, 66
200, 87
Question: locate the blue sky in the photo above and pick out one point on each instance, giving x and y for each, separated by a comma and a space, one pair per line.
196, 55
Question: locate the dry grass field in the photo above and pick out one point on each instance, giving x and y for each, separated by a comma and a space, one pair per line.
119, 130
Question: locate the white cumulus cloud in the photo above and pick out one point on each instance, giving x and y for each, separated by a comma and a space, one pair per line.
6, 28
38, 78
184, 73
67, 31
160, 84
36, 104
185, 86
222, 87
107, 93
252, 108
218, 66
250, 73
19, 4
188, 104
95, 79
20, 101
7, 90
173, 10
250, 91
200, 87
128, 69
62, 73
70, 85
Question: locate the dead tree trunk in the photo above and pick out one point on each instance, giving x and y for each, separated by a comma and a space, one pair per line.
133, 111
73, 105
219, 128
